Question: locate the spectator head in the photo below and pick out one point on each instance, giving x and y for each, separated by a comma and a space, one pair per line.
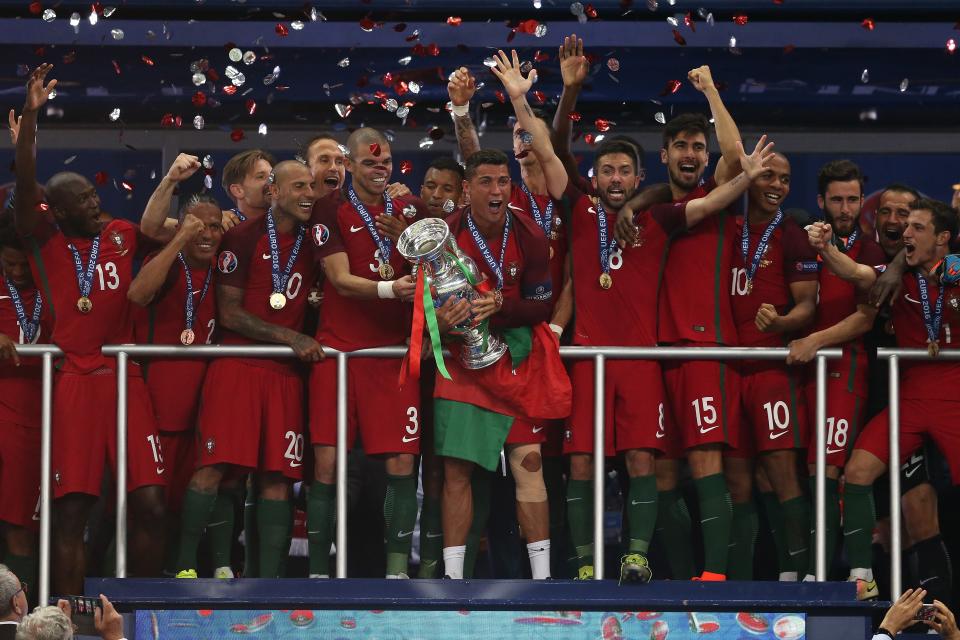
45, 623
13, 596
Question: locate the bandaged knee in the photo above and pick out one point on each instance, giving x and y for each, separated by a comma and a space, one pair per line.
528, 477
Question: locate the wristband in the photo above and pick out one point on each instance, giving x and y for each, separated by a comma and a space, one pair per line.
385, 290
883, 632
557, 329
460, 110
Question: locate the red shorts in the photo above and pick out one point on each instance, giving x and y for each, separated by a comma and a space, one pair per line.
386, 416
251, 417
552, 447
845, 411
938, 419
523, 432
180, 454
704, 398
20, 475
635, 415
175, 387
773, 411
85, 433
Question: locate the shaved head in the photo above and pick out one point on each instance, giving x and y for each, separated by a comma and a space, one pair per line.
364, 137
283, 170
63, 185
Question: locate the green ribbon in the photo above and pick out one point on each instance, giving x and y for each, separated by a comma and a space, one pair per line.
430, 315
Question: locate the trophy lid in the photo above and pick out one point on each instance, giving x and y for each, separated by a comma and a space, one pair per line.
424, 239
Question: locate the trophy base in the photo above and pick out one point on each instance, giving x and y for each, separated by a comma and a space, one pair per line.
474, 357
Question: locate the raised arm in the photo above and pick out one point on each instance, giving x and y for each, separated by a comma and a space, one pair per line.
26, 214
153, 274
508, 70
727, 133
843, 266
234, 317
154, 223
461, 87
573, 69
337, 268
725, 194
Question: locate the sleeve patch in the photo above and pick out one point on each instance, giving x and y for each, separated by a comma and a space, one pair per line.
227, 262
320, 234
808, 266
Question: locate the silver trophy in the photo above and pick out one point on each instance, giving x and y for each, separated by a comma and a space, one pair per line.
430, 246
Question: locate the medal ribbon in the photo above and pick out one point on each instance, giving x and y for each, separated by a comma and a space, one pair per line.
478, 240
933, 320
384, 244
606, 242
242, 217
31, 327
845, 245
754, 263
188, 305
85, 277
280, 279
544, 220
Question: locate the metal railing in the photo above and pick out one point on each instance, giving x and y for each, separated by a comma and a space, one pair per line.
599, 355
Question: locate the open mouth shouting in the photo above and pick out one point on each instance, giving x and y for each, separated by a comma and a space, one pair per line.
494, 206
687, 170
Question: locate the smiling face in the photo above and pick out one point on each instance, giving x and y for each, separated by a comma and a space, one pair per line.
75, 204
489, 192
370, 169
892, 215
204, 247
326, 162
292, 190
771, 187
841, 205
615, 179
439, 186
254, 190
686, 158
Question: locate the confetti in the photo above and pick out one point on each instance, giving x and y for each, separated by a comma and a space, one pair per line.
652, 5
732, 43
198, 122
343, 64
237, 135
540, 96
541, 56
74, 19
229, 89
367, 24
262, 129
108, 11
659, 117
436, 133
390, 105
343, 110
490, 62
740, 19
672, 22
207, 182
574, 116
433, 49
602, 124
576, 9
249, 58
207, 161
35, 8
147, 60
297, 25
500, 96
425, 143
403, 112
613, 64
540, 31
868, 115
167, 120
235, 55
525, 67
271, 77
449, 206
405, 60
406, 166
454, 21
116, 66
414, 87
282, 31
680, 40
116, 34
590, 12
904, 84
199, 79
114, 115
251, 107
671, 87
709, 20
865, 76
101, 178
49, 15
868, 24
688, 21
52, 94
951, 45
127, 186
588, 138
93, 18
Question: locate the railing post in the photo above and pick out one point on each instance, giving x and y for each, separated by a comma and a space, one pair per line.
121, 537
894, 472
820, 479
599, 461
341, 465
46, 433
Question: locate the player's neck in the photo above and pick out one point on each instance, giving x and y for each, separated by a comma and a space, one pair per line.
757, 215
678, 192
532, 176
285, 223
250, 212
490, 228
927, 267
368, 198
194, 263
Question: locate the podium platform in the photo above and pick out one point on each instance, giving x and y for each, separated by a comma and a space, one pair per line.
488, 609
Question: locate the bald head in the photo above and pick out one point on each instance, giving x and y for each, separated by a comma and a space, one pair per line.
363, 138
74, 203
64, 185
283, 171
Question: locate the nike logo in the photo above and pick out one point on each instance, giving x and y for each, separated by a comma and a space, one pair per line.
591, 210
404, 534
409, 439
354, 229
702, 430
294, 464
536, 429
829, 450
909, 299
160, 470
636, 502
909, 473
514, 207
850, 533
775, 436
431, 536
660, 434
267, 256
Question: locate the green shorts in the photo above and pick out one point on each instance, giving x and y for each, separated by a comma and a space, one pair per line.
469, 432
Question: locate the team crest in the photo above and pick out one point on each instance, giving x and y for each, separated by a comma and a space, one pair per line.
320, 234
409, 211
117, 239
227, 262
513, 269
210, 445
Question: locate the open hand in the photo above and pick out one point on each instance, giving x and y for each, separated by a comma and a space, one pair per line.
755, 163
508, 70
574, 66
37, 92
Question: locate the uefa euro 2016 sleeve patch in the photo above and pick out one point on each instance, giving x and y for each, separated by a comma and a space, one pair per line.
227, 262
320, 234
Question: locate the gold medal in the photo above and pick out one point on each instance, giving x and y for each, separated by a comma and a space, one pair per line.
278, 301
186, 337
551, 253
749, 286
606, 281
498, 298
386, 271
84, 304
933, 347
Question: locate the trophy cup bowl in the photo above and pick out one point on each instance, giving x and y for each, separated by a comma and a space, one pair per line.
429, 245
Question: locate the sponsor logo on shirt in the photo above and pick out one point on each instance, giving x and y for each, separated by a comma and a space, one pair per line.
808, 266
227, 262
320, 234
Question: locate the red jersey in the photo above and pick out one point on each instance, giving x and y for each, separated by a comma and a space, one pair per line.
352, 323
626, 313
175, 385
837, 298
925, 379
244, 262
20, 386
557, 234
694, 303
527, 289
788, 258
110, 320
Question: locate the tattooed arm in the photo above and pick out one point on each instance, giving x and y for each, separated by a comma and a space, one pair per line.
461, 88
234, 317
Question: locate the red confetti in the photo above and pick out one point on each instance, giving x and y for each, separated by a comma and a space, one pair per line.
406, 166
401, 87
418, 50
588, 138
413, 36
367, 24
680, 40
40, 51
41, 207
167, 120
868, 24
387, 78
400, 27
539, 96
500, 96
101, 178
237, 135
590, 12
951, 45
671, 87
36, 8
229, 89
199, 99
70, 58
212, 75
97, 7
740, 19
574, 116
116, 66
511, 35
541, 56
375, 150
688, 20
380, 95
147, 60
528, 26
281, 29
454, 21
251, 107
433, 49
602, 125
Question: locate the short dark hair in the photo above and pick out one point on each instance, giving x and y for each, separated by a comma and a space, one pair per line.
304, 150
616, 146
944, 216
901, 188
239, 166
686, 123
622, 137
191, 201
838, 171
446, 163
8, 233
485, 156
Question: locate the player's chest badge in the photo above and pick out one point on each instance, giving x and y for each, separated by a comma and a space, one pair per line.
117, 240
514, 270
555, 229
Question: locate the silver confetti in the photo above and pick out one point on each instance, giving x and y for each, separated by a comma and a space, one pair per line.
249, 58
709, 19
49, 15
262, 129
207, 161
660, 118
108, 11
426, 143
297, 25
208, 182
652, 5
238, 80
904, 84
673, 22
702, 12
198, 122
74, 19
869, 114
490, 62
865, 76
525, 67
733, 42
576, 9
93, 18
199, 79
53, 94
235, 55
537, 4
343, 110
70, 159
540, 31
114, 115
413, 87
405, 60
231, 72
613, 64
403, 112
343, 64
116, 34
449, 206
390, 105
